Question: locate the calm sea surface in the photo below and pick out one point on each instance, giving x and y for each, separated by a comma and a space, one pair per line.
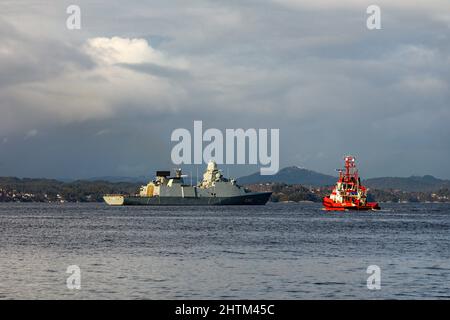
278, 251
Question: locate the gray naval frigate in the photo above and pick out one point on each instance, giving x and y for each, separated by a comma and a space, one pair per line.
168, 190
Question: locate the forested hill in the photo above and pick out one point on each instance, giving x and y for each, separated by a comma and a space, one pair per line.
305, 177
291, 175
410, 184
15, 189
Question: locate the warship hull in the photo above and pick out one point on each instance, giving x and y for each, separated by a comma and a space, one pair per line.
254, 198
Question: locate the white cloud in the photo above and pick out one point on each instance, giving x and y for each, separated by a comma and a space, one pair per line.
118, 50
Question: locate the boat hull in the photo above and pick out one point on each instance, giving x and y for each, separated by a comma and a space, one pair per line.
330, 205
114, 199
253, 198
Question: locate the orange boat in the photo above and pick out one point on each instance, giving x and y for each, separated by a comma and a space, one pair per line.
349, 193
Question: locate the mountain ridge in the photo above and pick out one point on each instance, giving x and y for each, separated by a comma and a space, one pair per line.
288, 175
302, 176
291, 175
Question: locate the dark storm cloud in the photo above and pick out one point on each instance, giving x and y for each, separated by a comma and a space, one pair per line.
26, 59
311, 69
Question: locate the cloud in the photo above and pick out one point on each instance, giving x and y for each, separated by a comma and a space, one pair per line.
416, 5
112, 82
310, 68
118, 50
102, 132
424, 85
30, 134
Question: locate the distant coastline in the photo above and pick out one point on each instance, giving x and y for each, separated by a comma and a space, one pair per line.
54, 191
300, 193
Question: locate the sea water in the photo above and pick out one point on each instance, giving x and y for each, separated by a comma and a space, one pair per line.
277, 251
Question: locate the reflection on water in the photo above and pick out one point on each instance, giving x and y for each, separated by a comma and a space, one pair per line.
279, 251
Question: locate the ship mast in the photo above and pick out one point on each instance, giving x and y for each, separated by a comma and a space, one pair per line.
351, 171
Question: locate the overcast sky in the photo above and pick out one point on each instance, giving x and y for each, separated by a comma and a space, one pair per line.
104, 100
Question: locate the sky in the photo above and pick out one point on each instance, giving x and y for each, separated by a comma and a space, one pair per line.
103, 100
